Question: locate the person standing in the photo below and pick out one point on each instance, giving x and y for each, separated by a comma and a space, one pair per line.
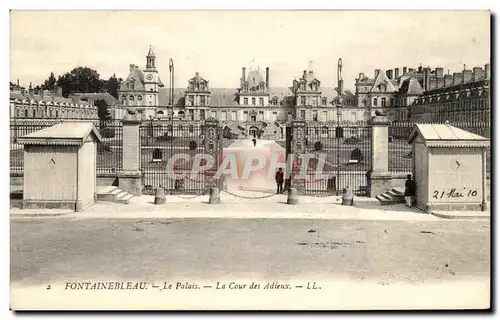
279, 177
410, 190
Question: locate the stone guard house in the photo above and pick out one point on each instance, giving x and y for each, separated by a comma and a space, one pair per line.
60, 166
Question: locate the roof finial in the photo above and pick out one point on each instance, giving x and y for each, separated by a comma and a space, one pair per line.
310, 65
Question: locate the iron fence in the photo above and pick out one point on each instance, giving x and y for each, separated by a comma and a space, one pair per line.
341, 154
109, 150
400, 156
163, 139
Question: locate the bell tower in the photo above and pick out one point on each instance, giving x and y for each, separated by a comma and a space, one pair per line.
151, 79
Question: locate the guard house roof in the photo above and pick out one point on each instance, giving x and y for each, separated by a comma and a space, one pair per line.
66, 133
445, 135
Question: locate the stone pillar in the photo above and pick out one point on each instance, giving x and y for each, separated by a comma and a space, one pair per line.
380, 177
129, 179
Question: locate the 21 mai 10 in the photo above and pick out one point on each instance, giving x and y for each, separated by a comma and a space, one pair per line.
454, 193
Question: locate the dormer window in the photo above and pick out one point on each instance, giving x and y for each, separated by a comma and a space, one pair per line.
131, 85
303, 86
131, 98
323, 101
202, 86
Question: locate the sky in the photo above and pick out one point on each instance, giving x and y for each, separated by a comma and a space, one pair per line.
218, 43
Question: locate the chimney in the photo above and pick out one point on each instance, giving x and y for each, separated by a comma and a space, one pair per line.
18, 82
457, 78
478, 73
388, 73
410, 70
440, 82
396, 73
132, 66
439, 72
466, 76
361, 76
405, 70
377, 71
304, 74
267, 78
448, 80
420, 69
487, 71
427, 77
31, 92
432, 83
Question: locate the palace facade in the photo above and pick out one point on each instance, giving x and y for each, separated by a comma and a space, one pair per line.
44, 104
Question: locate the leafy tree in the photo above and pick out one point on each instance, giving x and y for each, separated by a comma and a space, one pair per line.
80, 79
103, 110
112, 85
50, 83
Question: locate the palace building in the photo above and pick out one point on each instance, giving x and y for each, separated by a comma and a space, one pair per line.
252, 106
461, 97
45, 104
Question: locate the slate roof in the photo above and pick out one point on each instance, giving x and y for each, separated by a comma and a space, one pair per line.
229, 96
110, 100
383, 79
444, 135
69, 132
48, 97
137, 77
411, 86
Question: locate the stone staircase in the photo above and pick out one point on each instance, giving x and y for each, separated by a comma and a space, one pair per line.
113, 194
394, 196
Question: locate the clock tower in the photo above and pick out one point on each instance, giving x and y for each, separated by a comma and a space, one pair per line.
151, 79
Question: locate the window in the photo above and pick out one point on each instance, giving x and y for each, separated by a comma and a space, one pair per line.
364, 103
253, 101
202, 114
57, 114
275, 116
323, 101
124, 97
315, 101
303, 114
202, 86
191, 129
353, 116
191, 114
261, 101
303, 100
180, 127
234, 116
223, 116
261, 115
34, 113
131, 85
315, 115
191, 100
374, 101
392, 101
245, 101
325, 115
303, 86
245, 115
139, 98
202, 101
383, 102
214, 114
274, 101
131, 98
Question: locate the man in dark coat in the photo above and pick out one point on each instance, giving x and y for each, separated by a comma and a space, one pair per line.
279, 177
410, 190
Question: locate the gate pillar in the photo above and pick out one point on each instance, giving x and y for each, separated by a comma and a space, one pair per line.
296, 135
380, 179
213, 146
130, 177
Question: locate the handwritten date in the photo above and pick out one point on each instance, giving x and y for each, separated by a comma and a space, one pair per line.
454, 193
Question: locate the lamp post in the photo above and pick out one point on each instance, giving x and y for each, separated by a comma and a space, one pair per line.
339, 114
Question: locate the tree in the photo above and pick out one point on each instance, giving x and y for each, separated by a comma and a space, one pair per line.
112, 85
103, 110
50, 83
80, 79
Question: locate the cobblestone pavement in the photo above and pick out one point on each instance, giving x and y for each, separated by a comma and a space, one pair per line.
46, 250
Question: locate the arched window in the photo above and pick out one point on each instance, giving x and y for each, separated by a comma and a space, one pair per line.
160, 112
26, 113
139, 98
131, 98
